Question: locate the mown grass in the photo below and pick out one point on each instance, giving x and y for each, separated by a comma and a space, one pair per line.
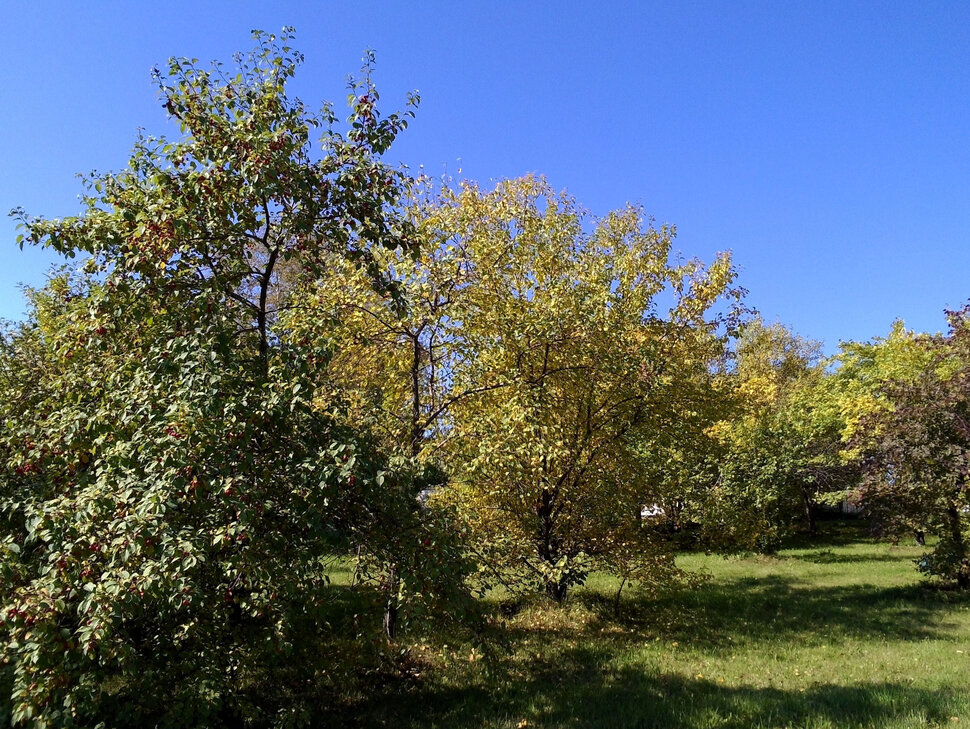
839, 633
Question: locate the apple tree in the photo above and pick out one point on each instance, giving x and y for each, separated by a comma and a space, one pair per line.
170, 492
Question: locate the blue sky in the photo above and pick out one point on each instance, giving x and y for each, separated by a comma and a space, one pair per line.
827, 144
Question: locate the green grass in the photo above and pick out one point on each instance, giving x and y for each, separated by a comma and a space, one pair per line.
841, 633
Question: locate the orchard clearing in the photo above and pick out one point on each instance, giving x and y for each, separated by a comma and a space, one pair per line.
272, 344
838, 632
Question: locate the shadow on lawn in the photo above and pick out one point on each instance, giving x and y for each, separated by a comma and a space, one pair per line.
577, 692
835, 533
777, 609
826, 556
568, 676
563, 668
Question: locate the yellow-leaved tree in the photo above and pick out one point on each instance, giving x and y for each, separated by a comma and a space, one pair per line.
535, 348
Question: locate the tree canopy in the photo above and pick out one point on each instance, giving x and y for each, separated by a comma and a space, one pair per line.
539, 348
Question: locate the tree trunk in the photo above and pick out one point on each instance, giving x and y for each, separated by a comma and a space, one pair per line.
809, 511
261, 311
959, 546
355, 577
616, 599
549, 544
393, 583
417, 427
391, 587
556, 590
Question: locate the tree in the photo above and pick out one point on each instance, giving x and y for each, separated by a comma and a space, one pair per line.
917, 451
564, 362
526, 367
780, 444
170, 492
866, 369
398, 377
682, 464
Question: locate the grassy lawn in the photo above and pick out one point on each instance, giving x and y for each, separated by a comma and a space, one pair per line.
841, 633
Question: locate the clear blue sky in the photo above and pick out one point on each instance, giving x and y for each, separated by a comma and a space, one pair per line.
826, 143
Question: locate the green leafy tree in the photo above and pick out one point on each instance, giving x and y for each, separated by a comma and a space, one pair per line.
917, 449
780, 444
170, 491
855, 396
679, 466
865, 369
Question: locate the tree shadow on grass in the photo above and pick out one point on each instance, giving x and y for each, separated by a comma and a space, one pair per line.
834, 533
564, 665
777, 609
566, 673
826, 556
579, 689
